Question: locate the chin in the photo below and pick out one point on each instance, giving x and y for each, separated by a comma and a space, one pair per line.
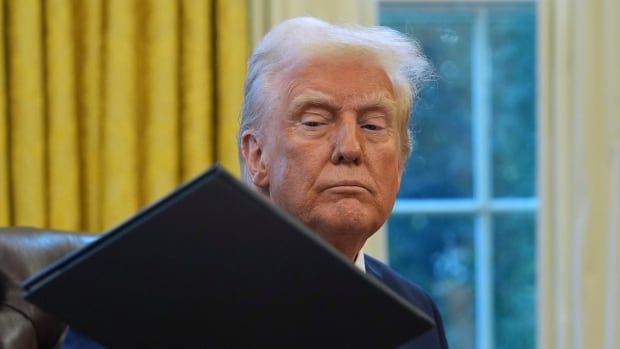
342, 222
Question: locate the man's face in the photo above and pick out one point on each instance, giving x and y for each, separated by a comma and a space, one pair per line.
330, 151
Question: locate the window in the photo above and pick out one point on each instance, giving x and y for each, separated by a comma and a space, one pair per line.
463, 225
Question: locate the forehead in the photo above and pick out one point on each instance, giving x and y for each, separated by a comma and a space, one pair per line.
344, 79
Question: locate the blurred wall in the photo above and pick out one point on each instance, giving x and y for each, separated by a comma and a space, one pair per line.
579, 162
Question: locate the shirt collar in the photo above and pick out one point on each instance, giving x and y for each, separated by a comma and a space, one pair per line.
359, 261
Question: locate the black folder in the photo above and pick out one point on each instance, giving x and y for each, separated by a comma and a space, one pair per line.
215, 265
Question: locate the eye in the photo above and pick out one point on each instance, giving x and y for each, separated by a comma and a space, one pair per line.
373, 127
374, 122
311, 123
312, 120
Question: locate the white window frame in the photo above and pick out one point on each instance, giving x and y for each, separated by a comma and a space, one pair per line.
482, 205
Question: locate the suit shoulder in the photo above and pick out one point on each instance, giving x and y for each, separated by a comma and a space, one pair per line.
413, 293
399, 284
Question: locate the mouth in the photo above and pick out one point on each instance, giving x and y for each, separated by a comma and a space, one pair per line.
347, 187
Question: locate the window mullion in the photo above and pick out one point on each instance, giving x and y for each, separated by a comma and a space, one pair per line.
481, 138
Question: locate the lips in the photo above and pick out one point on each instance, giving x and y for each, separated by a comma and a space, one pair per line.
346, 186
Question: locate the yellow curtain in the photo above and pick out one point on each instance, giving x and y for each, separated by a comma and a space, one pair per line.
106, 105
579, 157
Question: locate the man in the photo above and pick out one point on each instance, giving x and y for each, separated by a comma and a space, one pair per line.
324, 135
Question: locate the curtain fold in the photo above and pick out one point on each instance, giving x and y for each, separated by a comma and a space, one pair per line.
25, 92
120, 168
197, 77
88, 42
62, 147
231, 54
5, 212
160, 142
111, 104
580, 174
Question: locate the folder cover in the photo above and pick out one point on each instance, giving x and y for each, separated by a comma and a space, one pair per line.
215, 265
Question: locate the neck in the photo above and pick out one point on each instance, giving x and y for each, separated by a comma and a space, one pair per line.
346, 245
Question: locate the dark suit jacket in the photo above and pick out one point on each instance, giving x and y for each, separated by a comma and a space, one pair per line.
432, 339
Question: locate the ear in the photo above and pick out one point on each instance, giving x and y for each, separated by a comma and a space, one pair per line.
255, 159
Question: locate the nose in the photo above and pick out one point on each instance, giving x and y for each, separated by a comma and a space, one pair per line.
347, 148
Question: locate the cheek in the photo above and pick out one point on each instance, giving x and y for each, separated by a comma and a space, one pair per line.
389, 173
292, 165
305, 157
390, 186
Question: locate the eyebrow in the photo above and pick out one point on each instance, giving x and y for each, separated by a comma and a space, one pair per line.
313, 98
377, 101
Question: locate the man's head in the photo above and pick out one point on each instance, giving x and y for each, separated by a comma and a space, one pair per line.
324, 131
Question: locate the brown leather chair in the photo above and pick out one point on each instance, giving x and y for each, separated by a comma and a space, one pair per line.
23, 252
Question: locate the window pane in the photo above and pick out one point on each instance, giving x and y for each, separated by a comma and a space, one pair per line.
437, 253
515, 287
441, 122
513, 42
